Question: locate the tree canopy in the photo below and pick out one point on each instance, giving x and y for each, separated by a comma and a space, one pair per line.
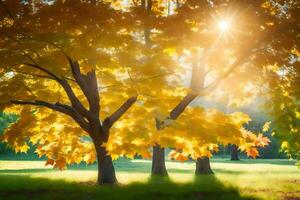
100, 79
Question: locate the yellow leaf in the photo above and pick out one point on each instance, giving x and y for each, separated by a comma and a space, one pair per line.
24, 148
89, 158
285, 145
273, 133
297, 114
266, 126
169, 51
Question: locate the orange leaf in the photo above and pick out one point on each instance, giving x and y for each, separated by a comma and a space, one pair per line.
60, 164
49, 162
252, 152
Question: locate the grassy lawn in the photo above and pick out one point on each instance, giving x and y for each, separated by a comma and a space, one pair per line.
246, 179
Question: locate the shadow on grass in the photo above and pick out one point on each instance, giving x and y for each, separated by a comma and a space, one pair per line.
204, 187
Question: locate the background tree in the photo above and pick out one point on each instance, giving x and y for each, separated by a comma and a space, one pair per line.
251, 52
284, 94
282, 77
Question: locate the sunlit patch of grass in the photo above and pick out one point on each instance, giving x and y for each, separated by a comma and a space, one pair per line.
268, 179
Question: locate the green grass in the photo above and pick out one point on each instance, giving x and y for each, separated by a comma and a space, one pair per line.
246, 179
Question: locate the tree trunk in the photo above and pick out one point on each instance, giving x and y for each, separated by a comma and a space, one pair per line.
234, 152
203, 166
106, 170
158, 162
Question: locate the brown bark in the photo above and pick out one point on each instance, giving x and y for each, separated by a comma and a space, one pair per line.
234, 152
106, 170
158, 162
203, 166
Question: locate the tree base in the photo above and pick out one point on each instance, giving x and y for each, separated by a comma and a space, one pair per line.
106, 170
234, 153
203, 166
158, 162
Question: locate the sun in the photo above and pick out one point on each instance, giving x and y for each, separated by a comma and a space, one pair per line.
224, 25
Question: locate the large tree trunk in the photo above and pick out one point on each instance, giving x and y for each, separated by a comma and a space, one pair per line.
158, 162
203, 166
234, 152
106, 170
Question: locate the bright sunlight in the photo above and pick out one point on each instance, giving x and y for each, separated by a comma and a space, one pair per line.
224, 25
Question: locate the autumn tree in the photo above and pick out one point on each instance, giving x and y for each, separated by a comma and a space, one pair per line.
65, 69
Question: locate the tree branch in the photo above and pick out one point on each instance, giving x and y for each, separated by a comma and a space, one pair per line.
73, 98
43, 70
93, 97
238, 62
191, 96
64, 83
182, 105
88, 84
109, 121
62, 108
218, 81
34, 75
11, 16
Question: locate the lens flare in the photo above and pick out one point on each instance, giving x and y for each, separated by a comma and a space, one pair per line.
224, 25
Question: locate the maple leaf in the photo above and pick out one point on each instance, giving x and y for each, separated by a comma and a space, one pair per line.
252, 152
285, 145
181, 157
89, 158
60, 164
24, 148
50, 162
266, 126
262, 141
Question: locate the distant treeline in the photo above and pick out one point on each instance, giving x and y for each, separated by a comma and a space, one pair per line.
5, 121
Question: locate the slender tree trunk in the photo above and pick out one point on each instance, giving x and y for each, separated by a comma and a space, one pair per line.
158, 162
234, 152
203, 166
106, 170
158, 157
